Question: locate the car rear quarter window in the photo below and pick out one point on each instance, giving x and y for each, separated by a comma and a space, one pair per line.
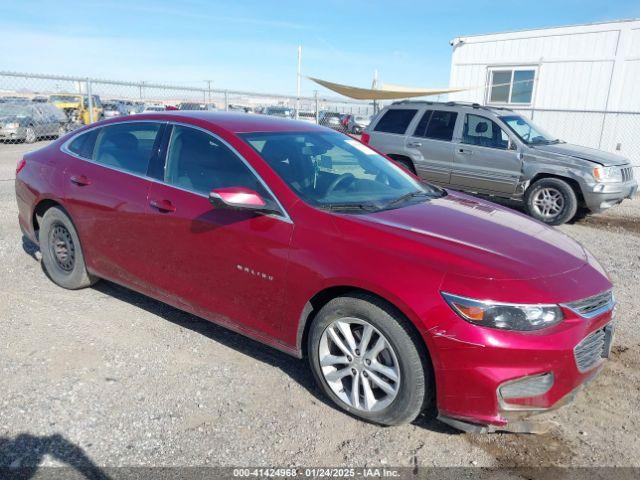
82, 145
395, 120
126, 146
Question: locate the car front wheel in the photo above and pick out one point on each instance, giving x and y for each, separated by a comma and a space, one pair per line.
368, 361
552, 201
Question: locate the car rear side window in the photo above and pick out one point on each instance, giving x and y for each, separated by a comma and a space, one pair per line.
437, 124
126, 146
199, 162
422, 125
82, 145
395, 120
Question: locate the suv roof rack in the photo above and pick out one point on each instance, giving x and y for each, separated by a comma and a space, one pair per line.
451, 104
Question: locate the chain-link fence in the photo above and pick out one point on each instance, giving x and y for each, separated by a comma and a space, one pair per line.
35, 107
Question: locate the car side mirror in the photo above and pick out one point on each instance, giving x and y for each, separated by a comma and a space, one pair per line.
239, 198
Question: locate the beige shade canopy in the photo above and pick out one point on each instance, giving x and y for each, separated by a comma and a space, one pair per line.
385, 92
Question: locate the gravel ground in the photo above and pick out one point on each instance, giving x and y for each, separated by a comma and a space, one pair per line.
119, 379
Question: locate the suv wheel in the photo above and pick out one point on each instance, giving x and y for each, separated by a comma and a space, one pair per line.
551, 201
406, 163
30, 134
367, 361
61, 252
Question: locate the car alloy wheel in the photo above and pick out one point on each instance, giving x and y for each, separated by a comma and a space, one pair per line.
548, 202
359, 364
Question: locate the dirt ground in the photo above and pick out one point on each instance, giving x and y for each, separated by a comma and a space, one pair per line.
120, 379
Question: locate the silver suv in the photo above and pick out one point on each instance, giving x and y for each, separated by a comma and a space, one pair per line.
496, 151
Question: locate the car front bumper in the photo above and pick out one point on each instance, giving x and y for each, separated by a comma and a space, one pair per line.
599, 197
472, 364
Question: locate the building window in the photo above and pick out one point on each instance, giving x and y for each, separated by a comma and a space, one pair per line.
512, 85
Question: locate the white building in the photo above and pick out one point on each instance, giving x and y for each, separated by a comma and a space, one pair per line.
580, 83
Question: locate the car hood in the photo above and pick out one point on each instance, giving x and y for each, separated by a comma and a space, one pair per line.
582, 153
475, 238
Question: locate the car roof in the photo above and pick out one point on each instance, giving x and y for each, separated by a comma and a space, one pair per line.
470, 106
232, 122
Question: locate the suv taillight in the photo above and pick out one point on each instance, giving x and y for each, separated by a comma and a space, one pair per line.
21, 165
365, 138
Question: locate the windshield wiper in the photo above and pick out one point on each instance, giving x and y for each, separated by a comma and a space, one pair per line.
408, 196
338, 207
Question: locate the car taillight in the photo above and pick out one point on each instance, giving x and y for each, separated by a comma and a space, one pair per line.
21, 165
365, 138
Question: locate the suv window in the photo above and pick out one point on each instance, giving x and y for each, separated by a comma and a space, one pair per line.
437, 124
396, 120
483, 132
199, 162
127, 146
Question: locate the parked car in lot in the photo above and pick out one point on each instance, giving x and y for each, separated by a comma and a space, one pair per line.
496, 151
402, 295
357, 123
332, 120
76, 107
284, 112
29, 122
114, 109
305, 116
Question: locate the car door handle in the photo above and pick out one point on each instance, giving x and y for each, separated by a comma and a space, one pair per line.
414, 144
163, 205
80, 180
465, 151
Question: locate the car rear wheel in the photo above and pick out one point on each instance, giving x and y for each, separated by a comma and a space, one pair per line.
551, 201
405, 163
62, 255
367, 360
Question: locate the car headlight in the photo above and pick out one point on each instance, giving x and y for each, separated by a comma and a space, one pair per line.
607, 174
504, 316
11, 125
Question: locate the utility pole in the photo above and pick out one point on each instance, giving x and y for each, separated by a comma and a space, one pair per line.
298, 81
374, 86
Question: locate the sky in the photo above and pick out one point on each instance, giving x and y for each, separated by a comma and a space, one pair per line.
252, 44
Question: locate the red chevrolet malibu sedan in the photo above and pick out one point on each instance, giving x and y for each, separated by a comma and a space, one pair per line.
401, 295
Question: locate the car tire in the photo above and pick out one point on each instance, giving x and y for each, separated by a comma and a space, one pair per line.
407, 373
406, 163
552, 201
62, 255
30, 134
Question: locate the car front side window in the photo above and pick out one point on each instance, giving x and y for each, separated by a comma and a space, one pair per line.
483, 132
199, 162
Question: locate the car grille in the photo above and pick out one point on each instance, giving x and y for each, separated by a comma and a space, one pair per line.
627, 173
590, 350
592, 306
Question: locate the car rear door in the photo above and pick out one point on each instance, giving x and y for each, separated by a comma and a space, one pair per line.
225, 265
485, 160
389, 132
432, 147
106, 195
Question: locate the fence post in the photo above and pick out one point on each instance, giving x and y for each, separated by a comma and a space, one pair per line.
315, 94
90, 100
226, 100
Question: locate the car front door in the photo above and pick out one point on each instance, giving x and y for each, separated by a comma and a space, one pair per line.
225, 265
106, 195
484, 159
432, 141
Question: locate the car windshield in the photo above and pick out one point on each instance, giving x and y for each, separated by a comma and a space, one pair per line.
334, 171
13, 109
64, 98
527, 131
